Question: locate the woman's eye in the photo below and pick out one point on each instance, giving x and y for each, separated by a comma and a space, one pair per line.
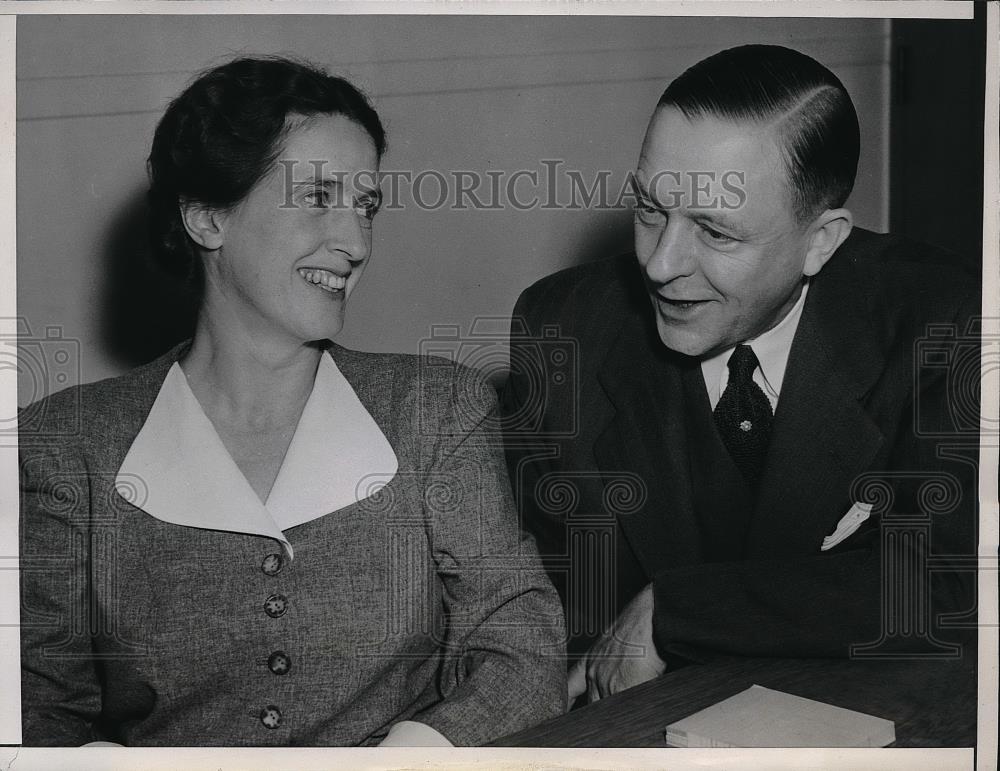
366, 207
317, 199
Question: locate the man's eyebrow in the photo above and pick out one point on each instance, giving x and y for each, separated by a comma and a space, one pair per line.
644, 194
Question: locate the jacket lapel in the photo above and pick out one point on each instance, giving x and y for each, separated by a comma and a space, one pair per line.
822, 437
646, 436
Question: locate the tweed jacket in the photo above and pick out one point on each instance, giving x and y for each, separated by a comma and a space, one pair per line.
423, 601
619, 471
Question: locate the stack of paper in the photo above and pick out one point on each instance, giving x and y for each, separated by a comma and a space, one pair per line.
760, 717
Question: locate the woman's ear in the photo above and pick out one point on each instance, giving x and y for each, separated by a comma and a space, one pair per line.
203, 224
829, 231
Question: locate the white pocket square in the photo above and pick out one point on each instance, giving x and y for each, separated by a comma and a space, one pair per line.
850, 522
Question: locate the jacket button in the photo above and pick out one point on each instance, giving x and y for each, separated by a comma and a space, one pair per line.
270, 716
279, 662
272, 564
276, 605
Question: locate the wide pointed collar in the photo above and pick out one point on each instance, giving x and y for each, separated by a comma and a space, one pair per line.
337, 456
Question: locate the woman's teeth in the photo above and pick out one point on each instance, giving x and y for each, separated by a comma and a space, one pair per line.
324, 279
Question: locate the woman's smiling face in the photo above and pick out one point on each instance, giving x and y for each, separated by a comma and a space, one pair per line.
293, 250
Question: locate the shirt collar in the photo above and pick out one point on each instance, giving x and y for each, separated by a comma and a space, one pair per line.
178, 470
771, 348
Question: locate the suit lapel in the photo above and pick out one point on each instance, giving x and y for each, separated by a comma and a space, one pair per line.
822, 437
646, 436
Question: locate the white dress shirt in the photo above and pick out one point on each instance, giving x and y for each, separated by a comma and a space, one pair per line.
771, 348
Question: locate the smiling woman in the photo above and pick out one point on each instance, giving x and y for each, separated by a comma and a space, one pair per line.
271, 252
263, 538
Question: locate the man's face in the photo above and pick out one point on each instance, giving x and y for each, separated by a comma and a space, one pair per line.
715, 233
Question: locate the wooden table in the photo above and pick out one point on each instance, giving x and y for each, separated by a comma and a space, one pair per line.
932, 702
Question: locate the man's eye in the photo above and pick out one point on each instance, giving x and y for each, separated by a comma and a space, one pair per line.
714, 235
649, 214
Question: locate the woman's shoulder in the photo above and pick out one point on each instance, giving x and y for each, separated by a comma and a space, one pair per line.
398, 386
111, 401
417, 370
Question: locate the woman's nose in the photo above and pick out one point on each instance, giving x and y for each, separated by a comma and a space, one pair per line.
349, 233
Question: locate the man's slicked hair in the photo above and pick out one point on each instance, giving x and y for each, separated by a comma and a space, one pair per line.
806, 104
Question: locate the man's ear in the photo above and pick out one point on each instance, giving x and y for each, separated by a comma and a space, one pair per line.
203, 224
829, 230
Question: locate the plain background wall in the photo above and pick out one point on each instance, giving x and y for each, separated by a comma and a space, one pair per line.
456, 93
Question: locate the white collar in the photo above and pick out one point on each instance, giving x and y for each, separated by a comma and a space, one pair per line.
771, 348
178, 470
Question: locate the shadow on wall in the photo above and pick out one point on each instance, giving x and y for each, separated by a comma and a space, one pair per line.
608, 233
145, 312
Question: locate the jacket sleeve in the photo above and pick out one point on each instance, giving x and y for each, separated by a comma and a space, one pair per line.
528, 456
904, 583
60, 687
504, 638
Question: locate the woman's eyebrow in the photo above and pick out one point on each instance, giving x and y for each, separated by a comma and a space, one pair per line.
324, 181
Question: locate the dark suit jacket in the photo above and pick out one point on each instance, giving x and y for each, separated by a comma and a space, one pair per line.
423, 602
613, 467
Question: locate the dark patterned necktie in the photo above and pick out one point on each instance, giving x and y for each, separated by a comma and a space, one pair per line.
743, 415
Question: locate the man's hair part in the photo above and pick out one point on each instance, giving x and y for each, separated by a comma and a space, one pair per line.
804, 102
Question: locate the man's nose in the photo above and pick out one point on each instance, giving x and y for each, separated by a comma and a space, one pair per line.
673, 256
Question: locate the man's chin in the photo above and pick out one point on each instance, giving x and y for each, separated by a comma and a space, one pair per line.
684, 341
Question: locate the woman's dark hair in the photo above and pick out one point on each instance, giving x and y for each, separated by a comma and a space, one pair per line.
225, 132
809, 107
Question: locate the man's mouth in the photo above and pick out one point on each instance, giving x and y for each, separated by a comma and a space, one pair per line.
324, 279
681, 304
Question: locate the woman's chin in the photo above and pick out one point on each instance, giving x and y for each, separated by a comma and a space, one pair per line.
321, 333
317, 323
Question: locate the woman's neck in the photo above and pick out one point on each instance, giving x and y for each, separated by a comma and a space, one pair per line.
253, 392
251, 384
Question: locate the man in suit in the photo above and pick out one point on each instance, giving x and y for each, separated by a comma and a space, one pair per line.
744, 455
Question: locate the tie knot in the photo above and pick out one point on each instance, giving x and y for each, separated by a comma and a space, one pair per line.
742, 363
